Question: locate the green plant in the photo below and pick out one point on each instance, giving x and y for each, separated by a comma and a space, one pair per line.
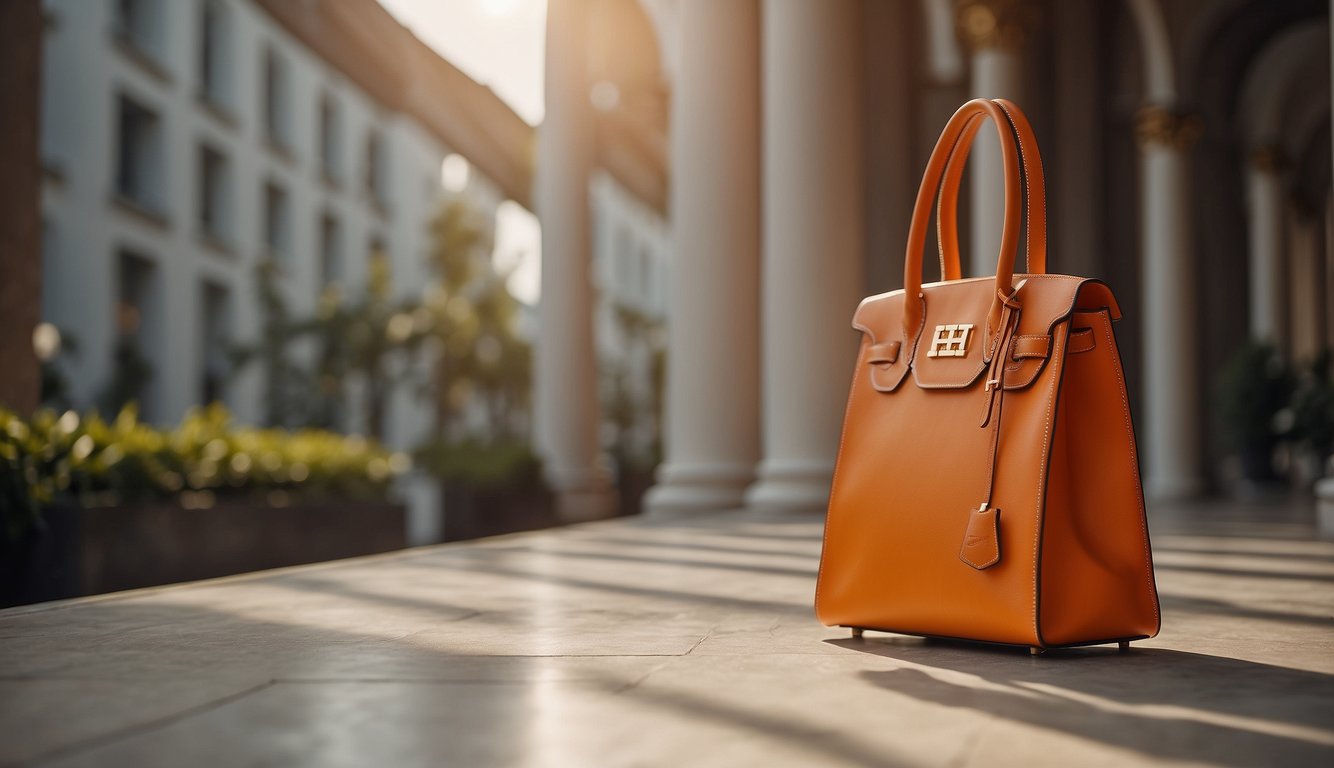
359, 338
1312, 406
630, 405
288, 399
93, 462
476, 465
476, 362
481, 357
1254, 387
131, 374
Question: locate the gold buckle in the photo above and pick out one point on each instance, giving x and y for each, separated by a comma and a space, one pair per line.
951, 340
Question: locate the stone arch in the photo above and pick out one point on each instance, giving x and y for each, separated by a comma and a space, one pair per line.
1274, 80
1159, 73
1222, 49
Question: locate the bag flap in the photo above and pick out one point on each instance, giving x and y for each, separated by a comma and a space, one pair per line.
950, 349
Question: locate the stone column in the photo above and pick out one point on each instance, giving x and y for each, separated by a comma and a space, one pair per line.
1328, 290
567, 420
1170, 429
1304, 288
713, 337
1264, 201
813, 244
995, 32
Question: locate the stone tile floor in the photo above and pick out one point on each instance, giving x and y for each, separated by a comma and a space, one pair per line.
644, 643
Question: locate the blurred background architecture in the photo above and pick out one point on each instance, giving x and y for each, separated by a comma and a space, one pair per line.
209, 165
718, 185
1188, 147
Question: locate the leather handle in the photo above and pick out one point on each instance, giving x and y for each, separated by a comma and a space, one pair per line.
975, 111
1035, 187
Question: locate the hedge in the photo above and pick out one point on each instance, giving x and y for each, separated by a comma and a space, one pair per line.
89, 461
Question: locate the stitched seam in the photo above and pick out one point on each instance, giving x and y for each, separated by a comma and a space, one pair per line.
980, 566
833, 483
1028, 189
909, 356
995, 557
1042, 199
1134, 469
1013, 385
896, 378
1041, 502
940, 197
875, 384
949, 384
1083, 347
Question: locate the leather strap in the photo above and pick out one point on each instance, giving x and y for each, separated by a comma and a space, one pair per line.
914, 311
1035, 187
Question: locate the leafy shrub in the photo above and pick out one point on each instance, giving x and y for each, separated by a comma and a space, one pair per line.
482, 466
1312, 406
92, 462
1256, 384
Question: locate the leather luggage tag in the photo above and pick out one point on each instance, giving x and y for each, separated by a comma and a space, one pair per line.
981, 542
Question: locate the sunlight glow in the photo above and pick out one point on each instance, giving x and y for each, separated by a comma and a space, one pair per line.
498, 43
519, 250
454, 172
499, 7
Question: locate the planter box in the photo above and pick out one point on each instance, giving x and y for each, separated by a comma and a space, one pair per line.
91, 551
472, 514
631, 488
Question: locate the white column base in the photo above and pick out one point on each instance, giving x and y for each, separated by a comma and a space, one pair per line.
685, 489
581, 493
791, 486
1173, 488
420, 492
1324, 501
573, 478
583, 505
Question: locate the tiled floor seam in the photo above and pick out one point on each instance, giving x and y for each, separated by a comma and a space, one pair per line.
140, 729
700, 642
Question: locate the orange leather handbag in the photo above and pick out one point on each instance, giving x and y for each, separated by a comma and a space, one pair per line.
987, 485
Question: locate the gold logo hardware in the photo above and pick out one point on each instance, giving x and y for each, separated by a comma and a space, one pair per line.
951, 340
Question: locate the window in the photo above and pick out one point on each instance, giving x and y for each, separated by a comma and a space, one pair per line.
277, 224
375, 170
214, 339
331, 252
276, 101
330, 138
214, 201
139, 155
139, 24
137, 324
214, 83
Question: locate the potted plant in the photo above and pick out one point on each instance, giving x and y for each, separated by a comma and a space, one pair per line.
488, 488
1311, 412
90, 506
1254, 387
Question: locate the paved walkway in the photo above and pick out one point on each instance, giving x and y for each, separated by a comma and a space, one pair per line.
631, 643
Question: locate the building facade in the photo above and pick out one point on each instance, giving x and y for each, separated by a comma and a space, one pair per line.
631, 263
186, 143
